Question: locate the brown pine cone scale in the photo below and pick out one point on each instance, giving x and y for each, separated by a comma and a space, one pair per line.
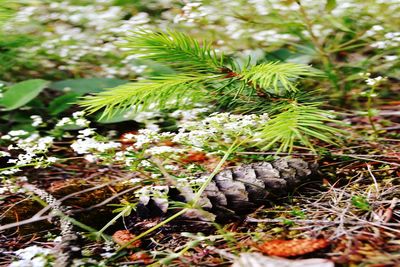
239, 190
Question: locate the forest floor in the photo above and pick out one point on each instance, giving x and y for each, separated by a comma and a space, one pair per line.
348, 213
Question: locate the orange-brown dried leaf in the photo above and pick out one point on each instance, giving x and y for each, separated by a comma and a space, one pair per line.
123, 237
195, 156
290, 248
141, 256
126, 139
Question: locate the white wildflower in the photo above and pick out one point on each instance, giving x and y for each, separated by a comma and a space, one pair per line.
33, 256
78, 114
86, 132
374, 81
171, 167
88, 145
37, 120
6, 137
158, 150
4, 154
17, 133
52, 159
90, 157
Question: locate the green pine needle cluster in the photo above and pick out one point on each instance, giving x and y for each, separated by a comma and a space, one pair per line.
298, 123
277, 76
157, 93
174, 49
201, 75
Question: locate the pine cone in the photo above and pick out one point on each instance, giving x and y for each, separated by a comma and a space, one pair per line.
240, 190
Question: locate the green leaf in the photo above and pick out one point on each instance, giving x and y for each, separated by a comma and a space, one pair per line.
85, 86
330, 5
361, 203
21, 93
62, 103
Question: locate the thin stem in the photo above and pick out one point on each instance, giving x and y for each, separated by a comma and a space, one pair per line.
113, 220
370, 113
326, 60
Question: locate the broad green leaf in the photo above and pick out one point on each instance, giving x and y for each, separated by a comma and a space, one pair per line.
21, 93
85, 86
62, 103
330, 5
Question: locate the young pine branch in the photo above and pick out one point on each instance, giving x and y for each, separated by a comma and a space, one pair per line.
277, 76
202, 75
157, 93
299, 122
175, 49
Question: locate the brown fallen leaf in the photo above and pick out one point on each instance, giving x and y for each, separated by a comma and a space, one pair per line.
290, 248
195, 156
123, 237
141, 256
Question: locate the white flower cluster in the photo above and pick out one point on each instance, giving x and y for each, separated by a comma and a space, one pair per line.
191, 12
31, 148
390, 40
145, 140
372, 81
162, 150
147, 137
191, 181
86, 144
159, 194
220, 128
37, 120
75, 34
76, 120
12, 184
33, 256
188, 115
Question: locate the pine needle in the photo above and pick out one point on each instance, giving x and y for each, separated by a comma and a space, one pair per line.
277, 75
298, 123
157, 93
175, 49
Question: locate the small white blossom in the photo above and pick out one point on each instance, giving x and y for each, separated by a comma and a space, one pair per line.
86, 132
17, 133
171, 167
374, 81
158, 150
4, 154
52, 159
37, 120
88, 145
6, 137
33, 256
90, 158
78, 114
